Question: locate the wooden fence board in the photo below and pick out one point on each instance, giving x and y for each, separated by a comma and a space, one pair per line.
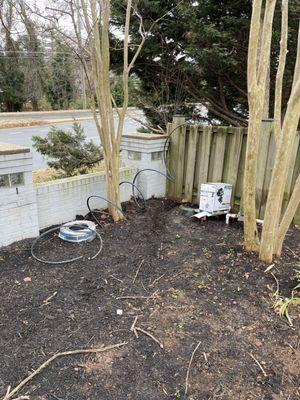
233, 154
238, 199
264, 144
288, 187
199, 154
172, 156
220, 145
179, 169
267, 178
191, 162
204, 154
296, 173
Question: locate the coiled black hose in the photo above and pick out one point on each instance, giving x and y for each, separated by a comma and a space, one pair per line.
68, 260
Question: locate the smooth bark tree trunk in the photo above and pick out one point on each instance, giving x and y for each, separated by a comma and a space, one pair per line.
288, 217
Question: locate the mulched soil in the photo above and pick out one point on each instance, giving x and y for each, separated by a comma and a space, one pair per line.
195, 286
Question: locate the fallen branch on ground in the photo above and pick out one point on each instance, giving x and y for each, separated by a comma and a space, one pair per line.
136, 329
188, 371
259, 364
156, 280
150, 335
138, 270
136, 297
10, 393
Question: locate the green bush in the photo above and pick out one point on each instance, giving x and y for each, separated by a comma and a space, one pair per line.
68, 151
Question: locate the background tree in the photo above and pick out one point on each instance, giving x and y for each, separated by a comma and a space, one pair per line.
11, 75
60, 82
94, 50
198, 54
68, 151
33, 61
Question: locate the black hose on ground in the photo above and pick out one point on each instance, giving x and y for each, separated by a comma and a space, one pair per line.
68, 260
135, 198
102, 198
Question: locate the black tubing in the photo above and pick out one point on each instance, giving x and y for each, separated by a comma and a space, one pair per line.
134, 196
63, 261
143, 170
103, 198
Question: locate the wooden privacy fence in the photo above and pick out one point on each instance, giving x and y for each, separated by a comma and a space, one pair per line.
200, 154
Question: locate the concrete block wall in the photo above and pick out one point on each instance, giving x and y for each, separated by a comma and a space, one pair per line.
25, 209
18, 209
61, 200
145, 151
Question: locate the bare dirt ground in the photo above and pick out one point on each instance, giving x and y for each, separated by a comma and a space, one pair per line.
189, 284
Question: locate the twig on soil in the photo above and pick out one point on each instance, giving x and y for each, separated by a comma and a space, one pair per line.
156, 280
48, 299
150, 335
188, 371
292, 251
136, 297
135, 329
10, 393
138, 270
117, 279
277, 284
259, 364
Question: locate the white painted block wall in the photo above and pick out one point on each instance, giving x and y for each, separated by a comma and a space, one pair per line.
18, 209
145, 151
27, 209
61, 200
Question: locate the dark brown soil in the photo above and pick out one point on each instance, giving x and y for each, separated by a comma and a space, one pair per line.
201, 287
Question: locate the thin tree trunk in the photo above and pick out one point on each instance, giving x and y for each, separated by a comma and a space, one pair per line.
281, 168
279, 176
258, 67
280, 71
288, 217
250, 227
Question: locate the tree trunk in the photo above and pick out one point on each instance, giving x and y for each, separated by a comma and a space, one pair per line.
279, 176
113, 188
288, 217
250, 227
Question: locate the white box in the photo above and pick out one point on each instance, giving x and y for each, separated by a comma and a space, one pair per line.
215, 198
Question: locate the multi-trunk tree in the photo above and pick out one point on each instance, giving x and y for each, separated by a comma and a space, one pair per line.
93, 47
276, 222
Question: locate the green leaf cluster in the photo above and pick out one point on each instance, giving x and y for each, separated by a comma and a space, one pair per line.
68, 151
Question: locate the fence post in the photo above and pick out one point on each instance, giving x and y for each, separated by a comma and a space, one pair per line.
176, 155
264, 159
145, 151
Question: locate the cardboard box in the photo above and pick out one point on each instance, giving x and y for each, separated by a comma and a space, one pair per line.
215, 198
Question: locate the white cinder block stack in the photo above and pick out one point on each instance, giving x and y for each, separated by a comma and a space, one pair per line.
146, 151
18, 209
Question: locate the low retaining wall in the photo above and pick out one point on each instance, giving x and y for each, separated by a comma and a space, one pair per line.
61, 200
25, 209
18, 210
